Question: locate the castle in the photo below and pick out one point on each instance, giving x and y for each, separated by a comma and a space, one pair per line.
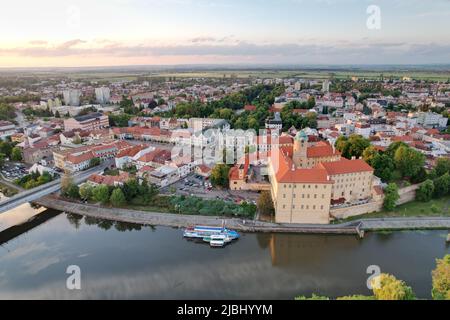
309, 178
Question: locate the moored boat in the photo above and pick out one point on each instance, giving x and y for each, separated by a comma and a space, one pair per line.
215, 236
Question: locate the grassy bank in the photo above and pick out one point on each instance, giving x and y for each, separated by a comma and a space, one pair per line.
7, 191
434, 208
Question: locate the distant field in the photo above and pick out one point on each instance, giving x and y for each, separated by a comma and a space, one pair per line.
98, 76
270, 74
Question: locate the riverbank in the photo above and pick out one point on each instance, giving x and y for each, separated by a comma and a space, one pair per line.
414, 209
357, 227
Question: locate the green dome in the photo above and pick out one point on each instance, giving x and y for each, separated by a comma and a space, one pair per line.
301, 136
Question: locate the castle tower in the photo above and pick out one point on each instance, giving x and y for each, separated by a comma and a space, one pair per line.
300, 149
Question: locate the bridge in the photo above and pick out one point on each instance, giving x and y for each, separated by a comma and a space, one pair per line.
46, 189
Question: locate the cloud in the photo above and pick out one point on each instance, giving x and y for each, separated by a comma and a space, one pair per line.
363, 51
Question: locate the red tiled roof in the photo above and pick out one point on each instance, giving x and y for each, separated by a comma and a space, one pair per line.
158, 155
76, 159
345, 166
321, 150
287, 173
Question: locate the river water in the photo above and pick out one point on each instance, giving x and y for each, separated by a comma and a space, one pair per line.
125, 261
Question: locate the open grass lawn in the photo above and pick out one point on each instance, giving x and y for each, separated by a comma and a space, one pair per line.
412, 209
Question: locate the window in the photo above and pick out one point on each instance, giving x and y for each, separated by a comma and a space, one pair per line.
314, 207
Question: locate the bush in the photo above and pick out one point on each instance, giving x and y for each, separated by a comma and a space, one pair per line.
101, 194
313, 297
73, 192
441, 279
434, 209
387, 287
356, 297
117, 198
390, 197
425, 191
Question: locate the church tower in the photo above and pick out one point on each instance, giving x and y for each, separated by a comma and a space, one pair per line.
300, 149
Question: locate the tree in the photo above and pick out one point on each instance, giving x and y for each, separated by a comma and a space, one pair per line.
408, 161
442, 185
219, 175
387, 287
425, 191
57, 115
369, 154
94, 162
442, 167
16, 154
66, 182
390, 197
73, 192
130, 189
441, 279
383, 166
77, 139
117, 198
2, 159
6, 148
353, 146
265, 203
101, 193
86, 191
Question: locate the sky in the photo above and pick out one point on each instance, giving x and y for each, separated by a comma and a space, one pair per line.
61, 33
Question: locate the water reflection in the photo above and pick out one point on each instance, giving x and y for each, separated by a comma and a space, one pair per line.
121, 260
75, 220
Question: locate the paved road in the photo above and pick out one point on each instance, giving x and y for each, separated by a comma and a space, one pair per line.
179, 220
41, 191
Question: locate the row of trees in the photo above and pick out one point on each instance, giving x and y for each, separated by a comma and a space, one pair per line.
438, 183
7, 112
9, 150
195, 205
34, 179
131, 192
398, 161
262, 96
296, 120
387, 287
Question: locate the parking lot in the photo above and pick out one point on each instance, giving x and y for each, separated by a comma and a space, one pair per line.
198, 186
12, 171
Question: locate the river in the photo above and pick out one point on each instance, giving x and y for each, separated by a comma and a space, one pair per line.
126, 261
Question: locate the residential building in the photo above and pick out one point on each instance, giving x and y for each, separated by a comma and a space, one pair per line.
91, 121
103, 95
